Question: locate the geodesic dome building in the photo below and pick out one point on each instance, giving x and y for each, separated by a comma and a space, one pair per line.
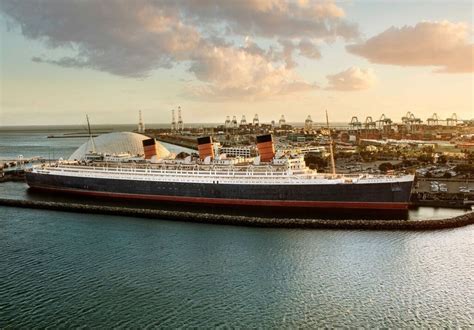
118, 143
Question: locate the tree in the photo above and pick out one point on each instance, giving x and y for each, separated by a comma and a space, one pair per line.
315, 162
442, 159
425, 158
470, 156
384, 167
464, 168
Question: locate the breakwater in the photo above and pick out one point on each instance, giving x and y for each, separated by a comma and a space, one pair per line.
223, 219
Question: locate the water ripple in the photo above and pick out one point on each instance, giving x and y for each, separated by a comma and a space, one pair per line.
71, 270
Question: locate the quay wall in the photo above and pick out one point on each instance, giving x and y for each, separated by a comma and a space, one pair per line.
223, 219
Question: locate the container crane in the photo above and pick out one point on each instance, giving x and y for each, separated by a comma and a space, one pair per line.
355, 124
433, 120
369, 123
384, 121
453, 120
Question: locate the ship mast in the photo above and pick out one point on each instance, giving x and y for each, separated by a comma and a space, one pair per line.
90, 134
333, 164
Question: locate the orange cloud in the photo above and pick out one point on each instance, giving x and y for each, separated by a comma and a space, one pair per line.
352, 79
231, 73
442, 44
133, 38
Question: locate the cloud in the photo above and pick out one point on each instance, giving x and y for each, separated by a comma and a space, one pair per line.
443, 44
232, 73
352, 79
129, 38
66, 62
133, 38
308, 49
274, 18
287, 53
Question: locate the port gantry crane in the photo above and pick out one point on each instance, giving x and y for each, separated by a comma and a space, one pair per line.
255, 120
384, 121
453, 120
282, 121
243, 121
433, 120
227, 122
308, 123
369, 126
355, 124
410, 120
369, 123
234, 122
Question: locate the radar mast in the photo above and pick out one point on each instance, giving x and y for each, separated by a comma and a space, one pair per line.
333, 165
90, 134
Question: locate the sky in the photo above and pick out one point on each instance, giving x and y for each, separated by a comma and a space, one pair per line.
61, 60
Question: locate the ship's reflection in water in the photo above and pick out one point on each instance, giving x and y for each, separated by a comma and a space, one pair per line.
19, 190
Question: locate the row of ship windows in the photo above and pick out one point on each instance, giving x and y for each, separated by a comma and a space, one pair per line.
233, 174
225, 178
217, 181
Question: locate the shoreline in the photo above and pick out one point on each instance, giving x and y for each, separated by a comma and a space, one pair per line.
223, 219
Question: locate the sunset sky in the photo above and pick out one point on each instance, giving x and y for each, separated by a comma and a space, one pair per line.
62, 59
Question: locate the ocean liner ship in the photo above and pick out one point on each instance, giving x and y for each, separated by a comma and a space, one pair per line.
272, 179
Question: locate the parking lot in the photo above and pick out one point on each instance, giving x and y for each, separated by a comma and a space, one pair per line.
445, 186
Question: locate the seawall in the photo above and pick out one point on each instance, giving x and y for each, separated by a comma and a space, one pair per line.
418, 225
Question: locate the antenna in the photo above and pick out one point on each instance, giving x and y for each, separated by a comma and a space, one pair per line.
333, 165
180, 120
141, 125
90, 134
173, 121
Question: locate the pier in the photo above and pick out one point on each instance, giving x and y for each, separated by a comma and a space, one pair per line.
14, 170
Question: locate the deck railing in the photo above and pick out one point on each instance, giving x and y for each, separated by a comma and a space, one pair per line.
244, 175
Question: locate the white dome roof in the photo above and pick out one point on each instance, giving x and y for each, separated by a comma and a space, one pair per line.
116, 143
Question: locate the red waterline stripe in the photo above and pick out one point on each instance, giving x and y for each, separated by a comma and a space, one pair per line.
227, 201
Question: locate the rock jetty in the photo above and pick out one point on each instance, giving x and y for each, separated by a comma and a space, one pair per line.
224, 219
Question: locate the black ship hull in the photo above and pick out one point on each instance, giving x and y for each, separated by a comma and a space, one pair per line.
382, 195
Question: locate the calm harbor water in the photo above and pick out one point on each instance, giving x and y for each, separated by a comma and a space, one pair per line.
35, 142
65, 270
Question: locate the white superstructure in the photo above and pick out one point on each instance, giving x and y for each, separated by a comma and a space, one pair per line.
285, 171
